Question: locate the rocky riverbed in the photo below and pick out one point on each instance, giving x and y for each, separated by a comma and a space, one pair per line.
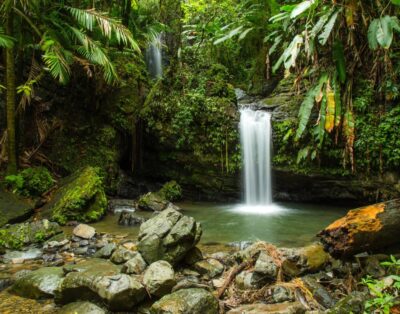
165, 271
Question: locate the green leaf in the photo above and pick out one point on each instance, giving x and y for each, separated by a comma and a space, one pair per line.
301, 8
396, 2
324, 36
232, 33
244, 34
320, 24
291, 53
384, 33
339, 58
372, 32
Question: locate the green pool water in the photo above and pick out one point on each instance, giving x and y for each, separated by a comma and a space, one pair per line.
283, 224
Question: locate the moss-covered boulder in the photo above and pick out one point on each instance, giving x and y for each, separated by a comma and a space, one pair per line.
160, 200
81, 198
19, 235
13, 209
40, 283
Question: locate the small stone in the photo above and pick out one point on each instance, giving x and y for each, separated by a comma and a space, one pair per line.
265, 265
81, 250
106, 251
136, 265
122, 255
18, 260
210, 268
84, 231
84, 243
130, 246
159, 278
81, 308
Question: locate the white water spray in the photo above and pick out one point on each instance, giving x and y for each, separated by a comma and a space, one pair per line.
255, 132
154, 58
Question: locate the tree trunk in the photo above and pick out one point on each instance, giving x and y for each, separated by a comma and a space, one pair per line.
10, 100
363, 229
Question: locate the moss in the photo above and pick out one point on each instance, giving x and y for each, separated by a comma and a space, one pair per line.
171, 191
82, 198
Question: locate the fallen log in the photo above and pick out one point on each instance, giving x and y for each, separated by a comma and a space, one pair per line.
363, 229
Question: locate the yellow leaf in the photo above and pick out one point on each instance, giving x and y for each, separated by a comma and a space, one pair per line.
330, 109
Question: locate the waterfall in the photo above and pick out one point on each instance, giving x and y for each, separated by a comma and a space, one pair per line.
255, 134
154, 57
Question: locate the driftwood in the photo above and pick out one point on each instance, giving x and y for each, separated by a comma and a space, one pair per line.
232, 275
363, 229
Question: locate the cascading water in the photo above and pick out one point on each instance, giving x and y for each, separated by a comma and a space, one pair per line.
154, 58
255, 133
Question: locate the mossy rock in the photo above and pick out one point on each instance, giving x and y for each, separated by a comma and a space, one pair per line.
171, 191
81, 198
13, 208
19, 235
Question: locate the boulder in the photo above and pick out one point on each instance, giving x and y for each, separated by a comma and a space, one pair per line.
152, 201
80, 198
119, 205
19, 235
41, 283
135, 265
261, 308
106, 251
266, 266
250, 280
14, 209
84, 231
193, 301
129, 218
168, 236
93, 267
81, 308
209, 268
159, 278
122, 255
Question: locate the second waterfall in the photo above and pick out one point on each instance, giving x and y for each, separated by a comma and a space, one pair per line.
255, 137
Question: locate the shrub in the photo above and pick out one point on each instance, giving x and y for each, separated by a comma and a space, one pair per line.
171, 191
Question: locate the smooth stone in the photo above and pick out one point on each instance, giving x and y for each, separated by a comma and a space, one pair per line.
84, 231
185, 301
159, 278
41, 283
106, 251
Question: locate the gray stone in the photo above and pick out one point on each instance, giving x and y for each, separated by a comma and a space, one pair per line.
261, 308
250, 280
266, 266
282, 294
41, 283
135, 265
209, 268
193, 256
185, 301
122, 255
153, 201
84, 231
30, 254
81, 308
128, 218
13, 208
106, 251
168, 236
159, 278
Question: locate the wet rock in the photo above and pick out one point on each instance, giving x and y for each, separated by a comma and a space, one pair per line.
13, 208
84, 243
19, 235
224, 257
266, 266
6, 280
84, 231
320, 294
130, 219
193, 301
159, 278
54, 246
81, 250
106, 251
353, 303
250, 280
93, 267
193, 256
168, 236
209, 268
153, 201
122, 255
135, 265
81, 308
120, 292
119, 205
30, 254
261, 308
41, 283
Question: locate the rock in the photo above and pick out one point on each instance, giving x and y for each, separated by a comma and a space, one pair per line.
168, 236
30, 254
106, 251
122, 255
81, 250
80, 198
353, 303
120, 292
373, 267
93, 267
153, 201
135, 265
209, 268
13, 208
266, 266
193, 256
261, 308
41, 283
128, 218
81, 308
84, 231
250, 280
320, 294
159, 278
282, 294
120, 205
19, 235
185, 301
6, 280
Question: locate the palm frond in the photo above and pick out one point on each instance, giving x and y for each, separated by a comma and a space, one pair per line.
57, 60
5, 40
